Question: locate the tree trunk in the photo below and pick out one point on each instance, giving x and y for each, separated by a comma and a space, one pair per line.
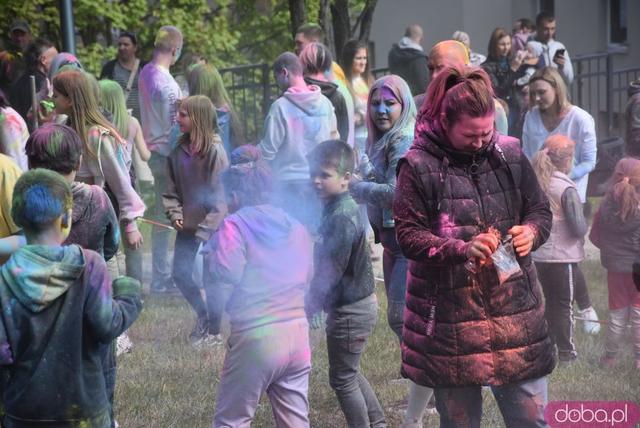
298, 15
325, 22
366, 19
341, 24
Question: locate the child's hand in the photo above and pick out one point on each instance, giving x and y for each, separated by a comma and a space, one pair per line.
523, 237
317, 320
177, 224
134, 239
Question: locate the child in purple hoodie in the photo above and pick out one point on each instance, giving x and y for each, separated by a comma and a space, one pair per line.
262, 256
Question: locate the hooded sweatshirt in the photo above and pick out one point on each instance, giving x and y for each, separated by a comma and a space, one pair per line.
408, 60
58, 313
295, 124
265, 257
332, 92
94, 222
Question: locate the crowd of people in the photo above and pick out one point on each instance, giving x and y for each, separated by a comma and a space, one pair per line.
471, 172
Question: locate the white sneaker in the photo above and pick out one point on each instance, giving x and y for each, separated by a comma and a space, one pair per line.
588, 326
209, 341
123, 344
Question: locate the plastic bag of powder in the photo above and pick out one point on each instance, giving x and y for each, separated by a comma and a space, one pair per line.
504, 259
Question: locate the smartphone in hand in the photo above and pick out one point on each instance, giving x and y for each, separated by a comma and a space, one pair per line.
559, 52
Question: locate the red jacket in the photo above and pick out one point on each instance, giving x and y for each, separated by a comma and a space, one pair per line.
485, 334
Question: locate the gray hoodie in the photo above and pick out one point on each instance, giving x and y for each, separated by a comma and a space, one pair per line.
295, 124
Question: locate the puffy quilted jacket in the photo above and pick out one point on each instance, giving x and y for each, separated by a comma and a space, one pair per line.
485, 333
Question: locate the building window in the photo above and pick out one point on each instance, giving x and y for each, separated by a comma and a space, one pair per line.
618, 13
547, 6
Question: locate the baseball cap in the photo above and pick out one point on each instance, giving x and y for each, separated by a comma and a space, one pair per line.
19, 24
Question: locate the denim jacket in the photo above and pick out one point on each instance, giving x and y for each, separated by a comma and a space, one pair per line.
378, 170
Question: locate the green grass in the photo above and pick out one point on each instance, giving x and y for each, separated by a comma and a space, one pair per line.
166, 383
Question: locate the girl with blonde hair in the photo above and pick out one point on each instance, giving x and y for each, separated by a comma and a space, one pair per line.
616, 231
557, 259
204, 79
195, 204
104, 156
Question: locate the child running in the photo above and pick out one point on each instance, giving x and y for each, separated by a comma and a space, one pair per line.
343, 284
616, 231
556, 260
64, 311
194, 203
264, 256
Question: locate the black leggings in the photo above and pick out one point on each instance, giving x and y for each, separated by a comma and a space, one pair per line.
580, 290
558, 282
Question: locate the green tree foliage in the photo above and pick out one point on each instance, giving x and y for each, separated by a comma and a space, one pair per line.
226, 32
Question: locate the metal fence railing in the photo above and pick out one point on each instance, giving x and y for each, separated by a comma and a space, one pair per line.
251, 90
596, 87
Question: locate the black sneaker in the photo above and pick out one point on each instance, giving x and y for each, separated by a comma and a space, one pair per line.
200, 330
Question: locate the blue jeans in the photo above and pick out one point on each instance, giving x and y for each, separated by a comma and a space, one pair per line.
394, 267
348, 329
521, 404
183, 264
109, 370
161, 272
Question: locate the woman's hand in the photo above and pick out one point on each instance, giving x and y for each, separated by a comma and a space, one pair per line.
177, 224
523, 237
134, 239
482, 246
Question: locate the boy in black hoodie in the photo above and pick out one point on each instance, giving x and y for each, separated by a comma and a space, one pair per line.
60, 310
343, 284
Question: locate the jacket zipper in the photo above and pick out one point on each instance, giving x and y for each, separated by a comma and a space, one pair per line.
475, 181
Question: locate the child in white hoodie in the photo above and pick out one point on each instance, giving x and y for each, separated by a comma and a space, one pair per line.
263, 258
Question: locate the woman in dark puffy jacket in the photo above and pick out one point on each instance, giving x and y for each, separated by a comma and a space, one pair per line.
460, 186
